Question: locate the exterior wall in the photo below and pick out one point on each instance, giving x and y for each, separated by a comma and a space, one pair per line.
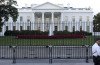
61, 22
84, 21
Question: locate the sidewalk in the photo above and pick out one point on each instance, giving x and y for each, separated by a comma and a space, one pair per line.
26, 62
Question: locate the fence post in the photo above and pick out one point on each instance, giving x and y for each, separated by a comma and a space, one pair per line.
14, 58
50, 54
87, 59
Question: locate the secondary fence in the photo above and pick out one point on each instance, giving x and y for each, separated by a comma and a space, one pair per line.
68, 42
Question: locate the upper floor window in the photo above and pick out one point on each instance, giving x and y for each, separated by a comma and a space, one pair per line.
80, 18
21, 18
88, 18
73, 18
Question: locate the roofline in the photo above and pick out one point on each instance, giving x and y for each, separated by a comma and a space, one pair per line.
45, 3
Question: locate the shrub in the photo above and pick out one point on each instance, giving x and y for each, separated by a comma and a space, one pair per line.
83, 33
61, 32
25, 32
49, 37
11, 33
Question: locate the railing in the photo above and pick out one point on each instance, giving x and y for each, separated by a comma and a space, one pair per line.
47, 52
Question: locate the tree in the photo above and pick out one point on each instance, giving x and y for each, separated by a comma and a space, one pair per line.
7, 9
96, 22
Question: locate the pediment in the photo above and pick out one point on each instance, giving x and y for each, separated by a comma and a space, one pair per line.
48, 5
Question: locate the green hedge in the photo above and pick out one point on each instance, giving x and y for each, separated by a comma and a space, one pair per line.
75, 32
37, 32
83, 32
25, 32
62, 32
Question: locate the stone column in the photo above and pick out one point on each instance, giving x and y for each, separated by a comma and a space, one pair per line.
33, 21
43, 21
52, 20
61, 23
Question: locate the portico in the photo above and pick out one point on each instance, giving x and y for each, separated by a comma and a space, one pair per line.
43, 20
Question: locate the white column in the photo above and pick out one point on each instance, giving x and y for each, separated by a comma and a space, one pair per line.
25, 23
61, 23
43, 21
3, 30
11, 24
52, 20
33, 21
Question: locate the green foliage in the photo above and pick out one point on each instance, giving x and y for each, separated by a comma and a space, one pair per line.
37, 32
7, 10
75, 32
83, 32
96, 23
61, 32
25, 32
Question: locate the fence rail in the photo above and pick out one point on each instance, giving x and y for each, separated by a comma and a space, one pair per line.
45, 52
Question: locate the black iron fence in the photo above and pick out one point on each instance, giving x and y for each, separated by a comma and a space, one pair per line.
68, 42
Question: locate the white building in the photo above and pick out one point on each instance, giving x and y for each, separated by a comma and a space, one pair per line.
39, 17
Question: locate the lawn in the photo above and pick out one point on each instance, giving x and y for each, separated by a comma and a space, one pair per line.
9, 40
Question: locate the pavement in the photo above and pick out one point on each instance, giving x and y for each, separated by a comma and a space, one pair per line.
45, 62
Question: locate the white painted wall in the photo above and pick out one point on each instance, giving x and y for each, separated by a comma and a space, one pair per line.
47, 7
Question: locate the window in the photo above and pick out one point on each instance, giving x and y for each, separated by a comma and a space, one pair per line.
73, 18
47, 19
80, 18
55, 28
14, 28
88, 28
28, 18
28, 27
6, 28
88, 18
21, 18
66, 28
73, 28
21, 28
80, 28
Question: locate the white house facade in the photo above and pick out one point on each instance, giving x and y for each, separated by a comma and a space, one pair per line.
40, 17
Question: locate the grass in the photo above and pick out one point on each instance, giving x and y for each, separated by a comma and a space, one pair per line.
9, 40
